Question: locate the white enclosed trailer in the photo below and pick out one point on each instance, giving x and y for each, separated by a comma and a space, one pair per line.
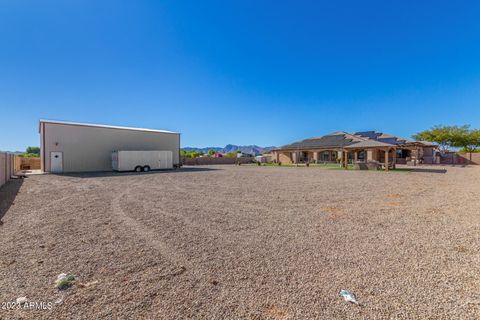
141, 160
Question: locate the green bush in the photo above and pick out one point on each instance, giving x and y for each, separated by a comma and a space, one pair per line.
31, 152
231, 155
29, 155
190, 154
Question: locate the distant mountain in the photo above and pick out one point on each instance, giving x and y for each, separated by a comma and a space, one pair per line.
252, 149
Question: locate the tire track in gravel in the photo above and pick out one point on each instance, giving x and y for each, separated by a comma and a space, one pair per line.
191, 224
207, 228
149, 236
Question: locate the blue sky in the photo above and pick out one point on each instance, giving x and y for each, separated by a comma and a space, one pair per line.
241, 72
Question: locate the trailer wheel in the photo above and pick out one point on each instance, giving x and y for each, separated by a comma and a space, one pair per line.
146, 168
138, 169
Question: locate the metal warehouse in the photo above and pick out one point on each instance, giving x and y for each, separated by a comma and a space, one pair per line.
83, 147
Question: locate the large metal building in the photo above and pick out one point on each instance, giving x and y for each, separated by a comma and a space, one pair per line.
84, 147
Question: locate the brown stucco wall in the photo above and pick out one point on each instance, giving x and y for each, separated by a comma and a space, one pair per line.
461, 158
285, 157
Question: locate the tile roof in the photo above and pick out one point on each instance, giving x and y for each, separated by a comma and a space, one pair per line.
334, 140
364, 139
383, 137
369, 144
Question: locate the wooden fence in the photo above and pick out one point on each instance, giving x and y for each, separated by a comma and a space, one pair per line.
7, 167
27, 164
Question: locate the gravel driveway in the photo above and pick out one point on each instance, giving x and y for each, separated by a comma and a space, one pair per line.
244, 243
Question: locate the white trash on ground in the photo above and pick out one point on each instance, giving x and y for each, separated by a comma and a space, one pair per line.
348, 296
21, 300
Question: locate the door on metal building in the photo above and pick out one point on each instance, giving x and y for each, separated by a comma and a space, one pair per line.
56, 162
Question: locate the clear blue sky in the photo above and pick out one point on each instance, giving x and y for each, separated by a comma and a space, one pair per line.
241, 72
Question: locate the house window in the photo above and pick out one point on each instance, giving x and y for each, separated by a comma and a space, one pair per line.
326, 156
304, 156
403, 153
361, 156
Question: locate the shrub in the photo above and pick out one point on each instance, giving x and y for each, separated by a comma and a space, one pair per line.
231, 155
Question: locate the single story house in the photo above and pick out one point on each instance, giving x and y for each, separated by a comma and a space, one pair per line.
342, 147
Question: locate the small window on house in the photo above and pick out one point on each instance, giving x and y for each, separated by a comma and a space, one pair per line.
361, 156
325, 156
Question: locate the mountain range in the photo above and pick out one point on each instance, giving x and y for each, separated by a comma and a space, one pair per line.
252, 149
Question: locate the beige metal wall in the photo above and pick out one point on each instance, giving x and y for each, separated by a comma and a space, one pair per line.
88, 148
7, 167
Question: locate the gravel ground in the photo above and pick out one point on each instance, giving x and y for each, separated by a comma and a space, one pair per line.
244, 242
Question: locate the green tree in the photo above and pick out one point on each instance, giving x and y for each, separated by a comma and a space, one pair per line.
452, 136
468, 140
211, 152
231, 155
190, 154
195, 154
444, 136
33, 150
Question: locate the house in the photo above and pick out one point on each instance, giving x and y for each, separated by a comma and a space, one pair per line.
84, 147
368, 146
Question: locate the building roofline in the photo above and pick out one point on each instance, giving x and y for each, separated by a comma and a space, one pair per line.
370, 144
81, 124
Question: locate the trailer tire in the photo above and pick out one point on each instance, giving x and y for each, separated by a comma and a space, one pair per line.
146, 168
138, 169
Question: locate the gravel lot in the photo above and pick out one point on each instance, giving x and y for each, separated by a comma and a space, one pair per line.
244, 242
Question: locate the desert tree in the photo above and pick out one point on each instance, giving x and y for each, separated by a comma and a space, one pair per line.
466, 139
444, 136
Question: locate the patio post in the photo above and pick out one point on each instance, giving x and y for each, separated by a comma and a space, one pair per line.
416, 156
386, 160
394, 158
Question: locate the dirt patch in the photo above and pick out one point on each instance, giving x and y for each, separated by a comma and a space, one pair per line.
277, 313
393, 196
331, 210
225, 242
334, 213
393, 203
